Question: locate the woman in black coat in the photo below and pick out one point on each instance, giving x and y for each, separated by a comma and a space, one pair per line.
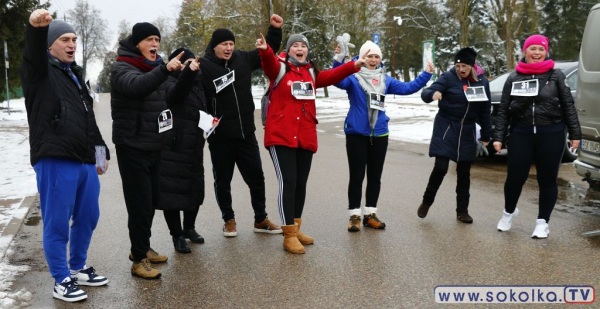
536, 108
463, 96
181, 166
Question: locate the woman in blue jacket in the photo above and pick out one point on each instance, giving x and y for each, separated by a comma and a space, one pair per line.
463, 97
367, 132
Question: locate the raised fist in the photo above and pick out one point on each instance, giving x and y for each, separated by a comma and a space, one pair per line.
40, 18
276, 21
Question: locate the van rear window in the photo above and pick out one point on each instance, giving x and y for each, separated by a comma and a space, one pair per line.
591, 43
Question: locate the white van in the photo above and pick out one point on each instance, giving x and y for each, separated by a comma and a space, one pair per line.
588, 99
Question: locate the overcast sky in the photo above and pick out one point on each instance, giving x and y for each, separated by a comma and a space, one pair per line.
114, 11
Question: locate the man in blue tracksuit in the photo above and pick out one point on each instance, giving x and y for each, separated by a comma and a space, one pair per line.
367, 132
64, 137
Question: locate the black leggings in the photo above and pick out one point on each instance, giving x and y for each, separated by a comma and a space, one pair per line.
173, 219
292, 166
463, 183
546, 151
365, 153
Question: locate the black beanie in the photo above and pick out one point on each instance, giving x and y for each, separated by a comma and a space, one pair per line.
187, 54
466, 55
141, 31
221, 35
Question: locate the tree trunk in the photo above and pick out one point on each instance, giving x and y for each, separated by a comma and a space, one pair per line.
463, 18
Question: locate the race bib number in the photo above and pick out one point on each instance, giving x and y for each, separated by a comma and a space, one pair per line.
224, 81
377, 101
476, 94
303, 91
165, 121
527, 88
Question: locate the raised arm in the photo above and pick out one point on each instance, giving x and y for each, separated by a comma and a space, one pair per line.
134, 83
179, 88
270, 62
35, 57
273, 40
398, 87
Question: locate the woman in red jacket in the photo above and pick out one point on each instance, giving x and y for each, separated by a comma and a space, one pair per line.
291, 126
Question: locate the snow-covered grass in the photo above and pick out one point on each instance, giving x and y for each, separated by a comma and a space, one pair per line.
411, 120
18, 178
17, 181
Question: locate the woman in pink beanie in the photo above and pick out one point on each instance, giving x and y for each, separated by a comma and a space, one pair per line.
536, 110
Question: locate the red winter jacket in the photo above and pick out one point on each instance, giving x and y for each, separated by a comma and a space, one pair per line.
292, 122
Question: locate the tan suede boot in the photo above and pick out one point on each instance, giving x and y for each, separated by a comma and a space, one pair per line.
290, 239
304, 239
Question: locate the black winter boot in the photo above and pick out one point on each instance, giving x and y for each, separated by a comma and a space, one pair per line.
181, 245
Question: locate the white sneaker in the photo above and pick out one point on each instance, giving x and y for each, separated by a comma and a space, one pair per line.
68, 291
541, 229
88, 276
506, 221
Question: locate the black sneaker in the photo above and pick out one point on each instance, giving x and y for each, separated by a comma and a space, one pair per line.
68, 291
193, 236
88, 276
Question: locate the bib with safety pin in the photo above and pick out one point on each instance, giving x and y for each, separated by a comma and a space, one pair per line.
303, 91
377, 101
224, 81
526, 88
476, 94
165, 121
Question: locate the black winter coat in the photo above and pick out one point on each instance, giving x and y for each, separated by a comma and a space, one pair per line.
553, 104
181, 161
137, 99
60, 115
234, 103
454, 129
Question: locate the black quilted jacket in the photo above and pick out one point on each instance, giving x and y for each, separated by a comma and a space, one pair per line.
60, 114
553, 104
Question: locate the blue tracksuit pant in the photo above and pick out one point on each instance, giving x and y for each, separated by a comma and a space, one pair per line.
69, 190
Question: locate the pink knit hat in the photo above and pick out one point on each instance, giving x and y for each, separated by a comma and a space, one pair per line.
537, 39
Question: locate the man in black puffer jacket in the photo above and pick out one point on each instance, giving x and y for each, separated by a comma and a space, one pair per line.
226, 78
140, 117
63, 137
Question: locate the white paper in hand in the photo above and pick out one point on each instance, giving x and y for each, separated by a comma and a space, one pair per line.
206, 121
101, 158
208, 124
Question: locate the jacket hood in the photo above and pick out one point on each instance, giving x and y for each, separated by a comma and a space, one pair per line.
127, 49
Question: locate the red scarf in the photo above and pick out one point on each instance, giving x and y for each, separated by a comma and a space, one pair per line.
535, 68
137, 62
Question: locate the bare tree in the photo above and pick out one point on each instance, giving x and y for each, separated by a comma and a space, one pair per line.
92, 33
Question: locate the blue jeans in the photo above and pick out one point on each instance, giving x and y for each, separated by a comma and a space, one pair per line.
69, 190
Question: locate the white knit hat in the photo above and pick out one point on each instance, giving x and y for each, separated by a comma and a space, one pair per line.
374, 49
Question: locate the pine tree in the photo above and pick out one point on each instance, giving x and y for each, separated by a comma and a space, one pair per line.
14, 16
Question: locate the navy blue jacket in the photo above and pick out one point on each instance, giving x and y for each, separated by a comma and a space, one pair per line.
454, 126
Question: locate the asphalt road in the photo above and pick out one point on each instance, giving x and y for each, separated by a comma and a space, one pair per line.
395, 268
